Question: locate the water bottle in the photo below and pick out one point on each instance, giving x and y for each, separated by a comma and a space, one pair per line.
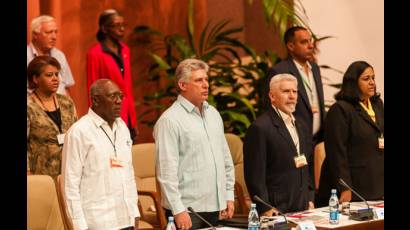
253, 218
170, 225
333, 208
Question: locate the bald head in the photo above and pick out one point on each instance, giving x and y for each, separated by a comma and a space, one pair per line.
97, 87
106, 99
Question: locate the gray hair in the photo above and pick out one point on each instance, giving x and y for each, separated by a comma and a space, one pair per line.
36, 22
96, 88
278, 78
185, 67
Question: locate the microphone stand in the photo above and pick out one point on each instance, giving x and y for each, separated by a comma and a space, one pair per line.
279, 225
361, 214
201, 218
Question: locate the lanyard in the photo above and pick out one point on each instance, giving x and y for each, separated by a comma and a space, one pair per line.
307, 84
302, 73
56, 120
112, 143
54, 100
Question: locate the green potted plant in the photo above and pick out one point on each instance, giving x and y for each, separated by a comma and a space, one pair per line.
236, 83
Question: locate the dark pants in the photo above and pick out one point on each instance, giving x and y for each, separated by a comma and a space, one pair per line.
211, 217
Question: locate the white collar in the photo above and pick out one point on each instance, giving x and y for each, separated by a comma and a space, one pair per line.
99, 121
288, 119
300, 67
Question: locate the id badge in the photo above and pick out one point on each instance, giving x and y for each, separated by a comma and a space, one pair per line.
315, 109
60, 138
300, 161
381, 142
115, 162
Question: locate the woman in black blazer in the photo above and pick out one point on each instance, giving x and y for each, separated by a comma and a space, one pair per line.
354, 139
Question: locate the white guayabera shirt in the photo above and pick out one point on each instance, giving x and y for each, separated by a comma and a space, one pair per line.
193, 162
99, 196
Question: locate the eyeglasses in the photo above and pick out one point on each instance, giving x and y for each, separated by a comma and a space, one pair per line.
117, 25
113, 96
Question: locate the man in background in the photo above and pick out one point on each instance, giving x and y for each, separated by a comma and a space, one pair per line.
110, 58
43, 41
310, 107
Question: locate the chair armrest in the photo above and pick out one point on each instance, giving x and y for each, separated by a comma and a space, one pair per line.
241, 199
157, 202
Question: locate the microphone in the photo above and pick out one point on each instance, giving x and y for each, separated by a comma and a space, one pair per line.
201, 218
277, 226
361, 214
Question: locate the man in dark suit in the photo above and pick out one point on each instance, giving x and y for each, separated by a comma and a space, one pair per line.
310, 108
278, 153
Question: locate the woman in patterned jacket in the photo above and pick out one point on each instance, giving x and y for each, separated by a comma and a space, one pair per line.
49, 116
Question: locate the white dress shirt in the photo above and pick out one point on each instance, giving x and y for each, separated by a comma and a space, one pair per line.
313, 96
290, 125
98, 196
193, 162
66, 77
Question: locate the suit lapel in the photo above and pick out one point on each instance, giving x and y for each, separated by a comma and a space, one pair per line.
366, 116
281, 127
301, 88
379, 122
301, 138
319, 87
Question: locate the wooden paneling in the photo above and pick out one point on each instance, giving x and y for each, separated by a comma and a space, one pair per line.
77, 21
33, 10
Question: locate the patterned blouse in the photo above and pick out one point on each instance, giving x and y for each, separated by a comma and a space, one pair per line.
43, 150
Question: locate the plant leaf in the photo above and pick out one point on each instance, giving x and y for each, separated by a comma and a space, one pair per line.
163, 64
214, 32
245, 101
202, 39
190, 25
209, 55
235, 116
191, 17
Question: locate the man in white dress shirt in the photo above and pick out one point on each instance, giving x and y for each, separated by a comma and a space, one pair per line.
193, 163
43, 41
97, 173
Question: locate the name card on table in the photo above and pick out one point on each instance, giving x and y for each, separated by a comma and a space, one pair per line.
306, 225
378, 213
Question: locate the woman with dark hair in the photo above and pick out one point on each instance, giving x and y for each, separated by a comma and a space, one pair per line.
110, 58
49, 116
354, 139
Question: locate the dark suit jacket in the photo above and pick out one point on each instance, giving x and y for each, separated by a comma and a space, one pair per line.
303, 112
269, 166
352, 152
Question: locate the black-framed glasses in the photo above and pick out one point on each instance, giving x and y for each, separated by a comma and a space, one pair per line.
113, 96
117, 25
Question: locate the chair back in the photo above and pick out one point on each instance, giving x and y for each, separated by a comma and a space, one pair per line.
319, 156
143, 160
61, 200
43, 211
241, 192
